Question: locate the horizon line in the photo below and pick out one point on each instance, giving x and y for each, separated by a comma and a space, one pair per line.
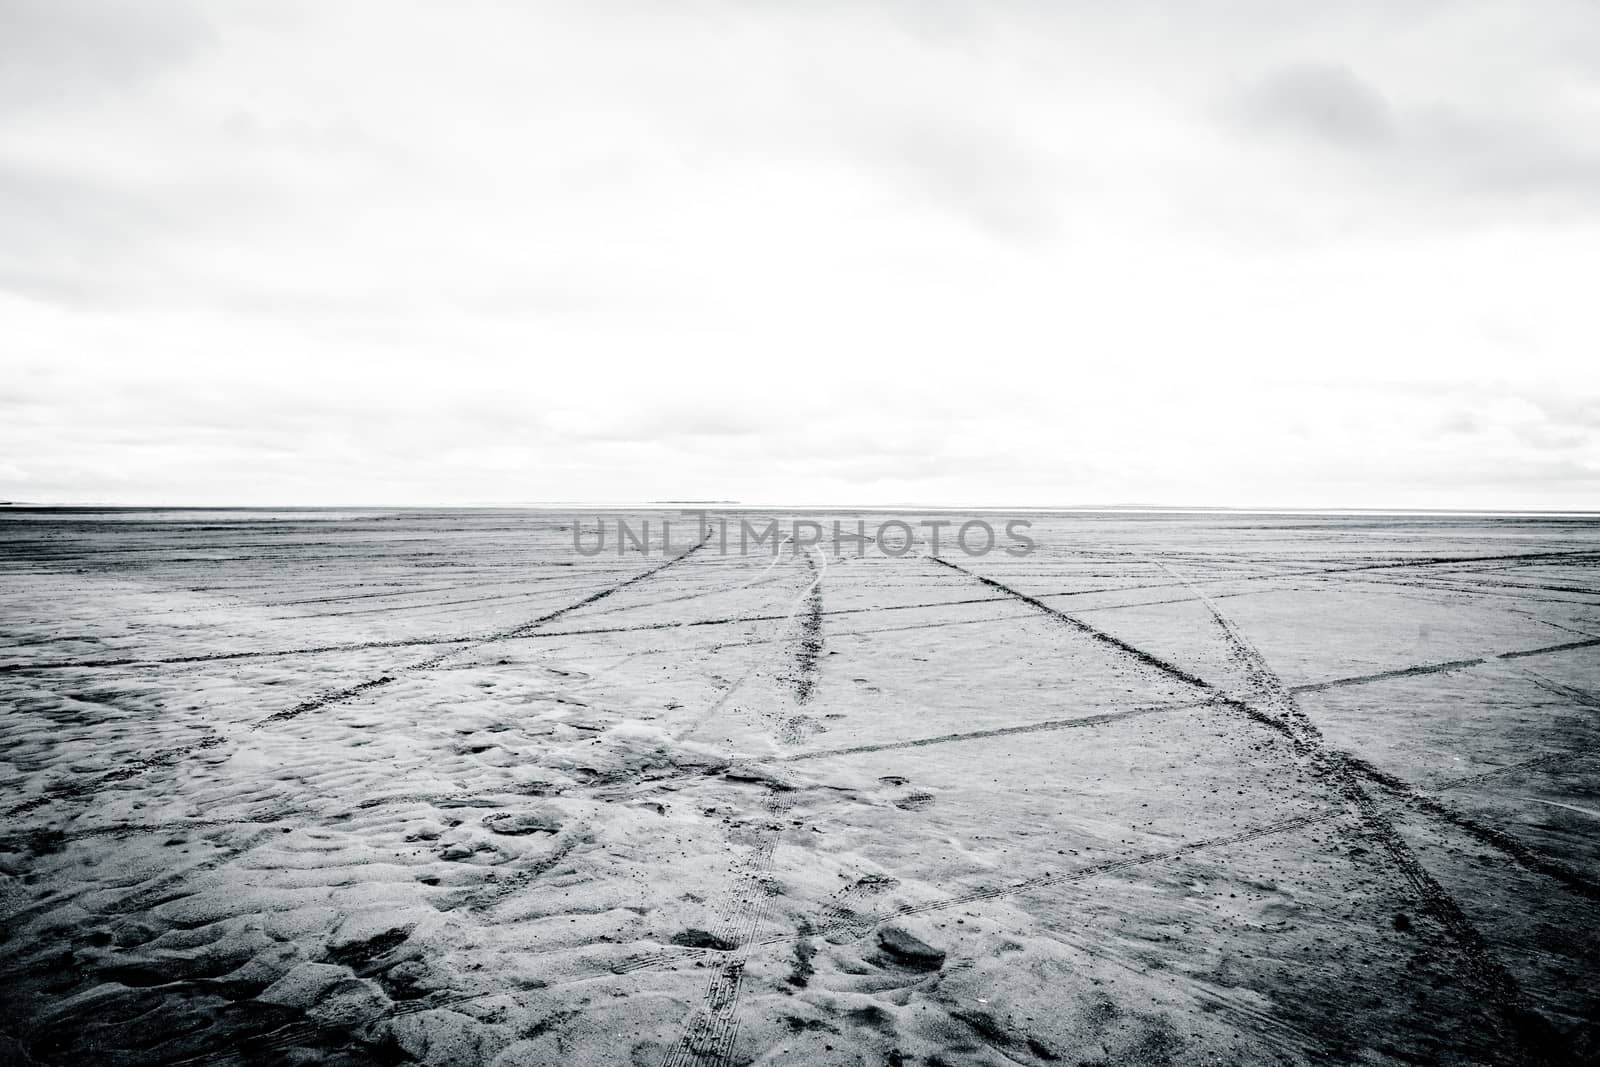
734, 505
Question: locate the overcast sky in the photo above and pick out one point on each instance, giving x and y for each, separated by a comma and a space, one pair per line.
1261, 252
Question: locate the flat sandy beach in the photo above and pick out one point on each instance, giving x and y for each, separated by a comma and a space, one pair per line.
431, 787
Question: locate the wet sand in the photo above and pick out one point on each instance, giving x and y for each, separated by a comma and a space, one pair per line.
393, 787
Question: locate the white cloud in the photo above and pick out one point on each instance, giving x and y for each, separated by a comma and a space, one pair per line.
1196, 253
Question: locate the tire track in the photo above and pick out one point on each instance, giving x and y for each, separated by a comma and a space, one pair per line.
414, 642
763, 577
1146, 658
712, 1031
168, 757
521, 630
1446, 666
1079, 874
1537, 763
439, 660
681, 597
434, 605
1438, 589
1535, 1038
218, 657
809, 648
738, 620
1567, 646
282, 816
1001, 731
1500, 840
1402, 672
1577, 696
839, 912
694, 725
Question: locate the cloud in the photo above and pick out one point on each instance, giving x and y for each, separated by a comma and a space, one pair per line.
60, 53
1436, 154
978, 171
1323, 101
1506, 158
77, 238
1006, 252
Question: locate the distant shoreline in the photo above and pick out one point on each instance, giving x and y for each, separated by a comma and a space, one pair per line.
818, 509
